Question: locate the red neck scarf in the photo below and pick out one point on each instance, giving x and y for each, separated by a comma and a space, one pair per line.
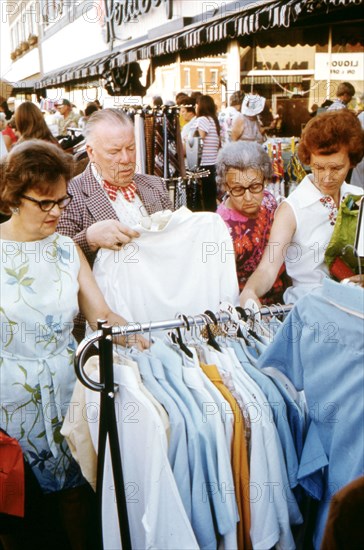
129, 191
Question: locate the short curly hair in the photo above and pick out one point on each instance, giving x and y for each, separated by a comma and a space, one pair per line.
327, 133
242, 155
33, 164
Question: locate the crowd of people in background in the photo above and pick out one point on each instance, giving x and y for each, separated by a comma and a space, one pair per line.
77, 210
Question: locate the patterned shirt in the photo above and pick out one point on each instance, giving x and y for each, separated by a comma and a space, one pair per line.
250, 237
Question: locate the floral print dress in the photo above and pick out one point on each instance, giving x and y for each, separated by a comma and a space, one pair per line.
39, 287
250, 237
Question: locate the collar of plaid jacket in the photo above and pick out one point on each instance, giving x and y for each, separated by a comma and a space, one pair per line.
128, 191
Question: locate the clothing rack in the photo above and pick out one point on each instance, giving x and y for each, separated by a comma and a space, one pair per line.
134, 109
108, 425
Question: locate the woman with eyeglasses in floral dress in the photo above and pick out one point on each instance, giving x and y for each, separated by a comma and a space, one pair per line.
243, 169
44, 281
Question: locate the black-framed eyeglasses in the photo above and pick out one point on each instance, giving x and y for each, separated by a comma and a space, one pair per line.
46, 205
239, 191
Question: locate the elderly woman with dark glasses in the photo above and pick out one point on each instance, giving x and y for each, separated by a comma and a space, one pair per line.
44, 281
243, 169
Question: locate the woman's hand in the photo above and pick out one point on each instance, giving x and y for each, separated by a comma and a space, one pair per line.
357, 279
246, 295
137, 341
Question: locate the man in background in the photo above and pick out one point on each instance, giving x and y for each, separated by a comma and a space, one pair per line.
344, 94
70, 118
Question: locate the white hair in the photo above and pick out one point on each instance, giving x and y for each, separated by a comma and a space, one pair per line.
112, 116
242, 155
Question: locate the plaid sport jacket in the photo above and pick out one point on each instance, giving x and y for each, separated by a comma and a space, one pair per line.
90, 204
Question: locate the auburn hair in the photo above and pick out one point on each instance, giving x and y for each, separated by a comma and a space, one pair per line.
327, 133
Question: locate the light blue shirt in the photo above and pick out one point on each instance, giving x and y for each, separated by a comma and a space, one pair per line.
279, 411
320, 347
201, 513
177, 445
215, 488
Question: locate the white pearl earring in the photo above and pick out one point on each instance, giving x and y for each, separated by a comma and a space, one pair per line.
14, 210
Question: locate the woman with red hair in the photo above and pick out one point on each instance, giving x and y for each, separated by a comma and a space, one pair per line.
331, 144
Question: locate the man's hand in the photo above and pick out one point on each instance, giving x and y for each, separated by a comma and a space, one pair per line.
109, 234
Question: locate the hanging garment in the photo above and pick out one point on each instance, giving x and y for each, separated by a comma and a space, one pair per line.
177, 445
140, 140
270, 517
149, 143
278, 409
219, 488
201, 514
240, 461
237, 464
200, 387
185, 262
156, 515
158, 146
170, 136
320, 348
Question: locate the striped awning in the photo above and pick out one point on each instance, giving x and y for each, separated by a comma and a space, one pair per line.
88, 70
270, 79
245, 19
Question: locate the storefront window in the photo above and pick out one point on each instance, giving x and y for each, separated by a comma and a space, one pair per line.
187, 78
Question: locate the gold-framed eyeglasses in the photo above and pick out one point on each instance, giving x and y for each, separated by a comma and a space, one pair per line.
46, 205
239, 190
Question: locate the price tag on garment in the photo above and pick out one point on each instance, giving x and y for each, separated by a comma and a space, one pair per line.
230, 327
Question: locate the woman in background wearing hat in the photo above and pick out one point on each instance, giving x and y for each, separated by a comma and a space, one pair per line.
247, 126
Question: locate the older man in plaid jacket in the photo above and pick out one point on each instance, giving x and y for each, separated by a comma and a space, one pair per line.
109, 197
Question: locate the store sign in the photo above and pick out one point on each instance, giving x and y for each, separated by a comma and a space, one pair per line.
339, 66
119, 12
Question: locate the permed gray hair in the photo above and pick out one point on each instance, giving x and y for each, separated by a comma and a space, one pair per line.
111, 116
242, 155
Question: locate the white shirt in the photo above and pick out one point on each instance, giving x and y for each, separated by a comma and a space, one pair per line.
189, 127
186, 264
226, 119
156, 515
130, 213
304, 257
